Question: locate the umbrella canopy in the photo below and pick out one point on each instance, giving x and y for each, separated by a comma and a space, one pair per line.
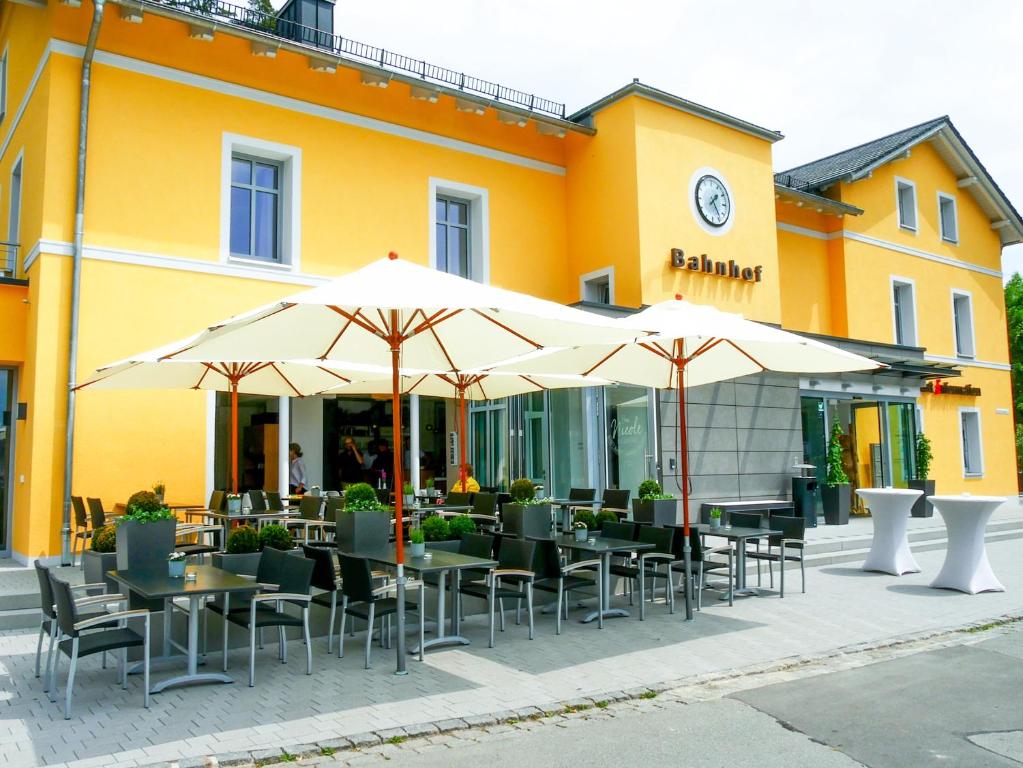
693, 344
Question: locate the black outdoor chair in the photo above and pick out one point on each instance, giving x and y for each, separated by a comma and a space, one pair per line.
484, 509
701, 564
512, 579
82, 532
257, 501
624, 531
274, 502
582, 494
324, 578
616, 501
645, 565
747, 520
96, 513
361, 600
553, 576
457, 499
792, 537
83, 635
308, 510
218, 500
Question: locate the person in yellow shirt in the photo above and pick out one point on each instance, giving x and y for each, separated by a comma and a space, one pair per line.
471, 486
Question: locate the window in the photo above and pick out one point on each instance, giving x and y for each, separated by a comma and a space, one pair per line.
3, 85
948, 219
454, 237
962, 321
598, 287
969, 427
905, 193
255, 208
904, 312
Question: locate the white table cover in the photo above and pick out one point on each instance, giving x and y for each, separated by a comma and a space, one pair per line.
890, 508
966, 566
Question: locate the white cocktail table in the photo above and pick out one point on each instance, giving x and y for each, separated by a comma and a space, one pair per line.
889, 508
966, 566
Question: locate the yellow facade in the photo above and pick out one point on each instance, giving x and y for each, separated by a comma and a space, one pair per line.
612, 194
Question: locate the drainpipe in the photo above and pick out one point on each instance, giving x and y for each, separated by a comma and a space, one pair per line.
76, 273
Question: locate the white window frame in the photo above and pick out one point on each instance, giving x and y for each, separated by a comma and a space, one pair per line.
980, 442
3, 82
290, 160
478, 199
958, 293
907, 281
900, 182
945, 197
608, 272
15, 207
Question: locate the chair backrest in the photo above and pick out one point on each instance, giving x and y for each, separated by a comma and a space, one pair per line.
45, 590
659, 537
745, 519
81, 518
217, 501
517, 553
476, 545
623, 531
457, 499
309, 507
356, 578
384, 495
488, 489
270, 564
334, 505
274, 502
695, 544
614, 498
323, 566
67, 612
547, 559
257, 501
296, 574
790, 527
329, 494
485, 504
582, 494
99, 518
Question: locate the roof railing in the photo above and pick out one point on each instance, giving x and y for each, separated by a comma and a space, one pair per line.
8, 259
369, 54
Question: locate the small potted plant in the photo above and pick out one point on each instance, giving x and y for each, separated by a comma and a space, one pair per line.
460, 524
715, 517
408, 493
102, 557
417, 539
159, 489
922, 506
431, 490
435, 529
176, 562
586, 519
605, 516
654, 506
145, 533
242, 552
234, 503
581, 531
835, 496
525, 515
363, 524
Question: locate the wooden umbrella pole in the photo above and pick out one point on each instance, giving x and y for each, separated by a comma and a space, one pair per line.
683, 437
399, 537
234, 435
462, 438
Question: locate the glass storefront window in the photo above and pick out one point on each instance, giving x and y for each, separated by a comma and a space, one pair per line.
901, 434
571, 433
629, 446
535, 430
489, 448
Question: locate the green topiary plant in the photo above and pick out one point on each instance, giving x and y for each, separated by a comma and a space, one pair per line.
522, 490
105, 539
243, 540
145, 507
460, 524
605, 516
361, 497
536, 501
923, 456
275, 537
835, 474
586, 517
435, 528
416, 536
649, 488
408, 490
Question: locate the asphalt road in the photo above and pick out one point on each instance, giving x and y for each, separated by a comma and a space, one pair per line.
959, 706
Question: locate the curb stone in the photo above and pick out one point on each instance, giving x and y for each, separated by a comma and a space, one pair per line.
363, 740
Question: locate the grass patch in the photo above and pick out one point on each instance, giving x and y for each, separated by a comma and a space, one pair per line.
327, 751
396, 739
513, 721
602, 704
648, 695
984, 627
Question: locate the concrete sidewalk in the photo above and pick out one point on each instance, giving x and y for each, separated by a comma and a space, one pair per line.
843, 607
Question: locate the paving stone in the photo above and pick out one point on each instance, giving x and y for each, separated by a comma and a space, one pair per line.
234, 758
450, 724
337, 744
421, 729
360, 740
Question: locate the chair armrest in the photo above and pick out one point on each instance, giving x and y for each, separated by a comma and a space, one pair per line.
100, 600
273, 597
499, 572
580, 565
614, 509
792, 541
94, 585
644, 556
138, 613
719, 550
261, 585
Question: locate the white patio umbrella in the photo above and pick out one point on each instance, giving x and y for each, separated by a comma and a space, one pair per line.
693, 344
405, 315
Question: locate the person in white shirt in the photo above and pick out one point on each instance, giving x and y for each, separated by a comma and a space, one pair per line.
297, 477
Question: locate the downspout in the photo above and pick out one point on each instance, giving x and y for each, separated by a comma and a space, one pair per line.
76, 273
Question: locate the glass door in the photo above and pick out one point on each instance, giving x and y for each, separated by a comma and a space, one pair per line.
534, 416
630, 444
488, 432
900, 432
572, 433
7, 424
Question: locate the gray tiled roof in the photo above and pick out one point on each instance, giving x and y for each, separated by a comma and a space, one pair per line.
849, 162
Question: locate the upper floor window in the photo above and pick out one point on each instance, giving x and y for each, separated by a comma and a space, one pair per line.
905, 193
904, 312
3, 85
255, 208
948, 218
598, 287
454, 236
962, 319
969, 430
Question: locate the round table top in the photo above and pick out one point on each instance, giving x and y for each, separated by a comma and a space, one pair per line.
966, 498
889, 492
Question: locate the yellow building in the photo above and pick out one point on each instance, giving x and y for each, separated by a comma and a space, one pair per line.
231, 159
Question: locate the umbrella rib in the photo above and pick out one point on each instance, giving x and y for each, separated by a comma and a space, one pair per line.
656, 349
422, 378
198, 384
604, 359
336, 375
359, 320
411, 319
337, 338
286, 381
432, 320
213, 328
707, 346
536, 384
482, 391
504, 327
440, 344
742, 351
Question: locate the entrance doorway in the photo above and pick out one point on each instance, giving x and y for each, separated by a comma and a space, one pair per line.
7, 425
488, 435
258, 446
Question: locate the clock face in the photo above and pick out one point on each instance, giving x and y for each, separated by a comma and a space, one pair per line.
712, 201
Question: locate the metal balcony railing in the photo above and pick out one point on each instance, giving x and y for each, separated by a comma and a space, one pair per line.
344, 47
8, 259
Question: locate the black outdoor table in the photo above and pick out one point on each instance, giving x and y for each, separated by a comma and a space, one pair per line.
739, 536
566, 504
603, 548
157, 585
439, 562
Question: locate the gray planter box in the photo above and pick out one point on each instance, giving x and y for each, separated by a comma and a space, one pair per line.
922, 507
245, 564
144, 546
362, 531
656, 511
96, 565
527, 520
836, 500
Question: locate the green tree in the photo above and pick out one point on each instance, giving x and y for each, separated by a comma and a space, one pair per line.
1014, 315
264, 14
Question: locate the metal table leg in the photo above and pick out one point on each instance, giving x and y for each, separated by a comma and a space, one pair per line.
605, 588
192, 676
453, 638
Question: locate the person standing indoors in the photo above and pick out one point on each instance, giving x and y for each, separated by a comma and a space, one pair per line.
383, 464
471, 484
350, 462
297, 477
368, 457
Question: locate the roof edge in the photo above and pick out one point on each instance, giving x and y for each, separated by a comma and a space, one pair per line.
830, 206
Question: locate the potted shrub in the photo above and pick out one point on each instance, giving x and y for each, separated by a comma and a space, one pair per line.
581, 531
435, 529
587, 519
715, 517
460, 524
242, 552
145, 534
159, 489
835, 495
653, 505
102, 557
363, 523
417, 539
525, 515
276, 537
176, 562
922, 506
431, 490
605, 516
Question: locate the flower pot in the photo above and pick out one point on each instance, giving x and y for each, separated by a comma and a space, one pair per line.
176, 568
243, 563
364, 531
144, 546
526, 520
96, 565
418, 548
836, 500
581, 534
922, 506
659, 512
715, 522
451, 545
408, 501
234, 506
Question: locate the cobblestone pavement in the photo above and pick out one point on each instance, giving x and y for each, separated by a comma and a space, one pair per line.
341, 704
